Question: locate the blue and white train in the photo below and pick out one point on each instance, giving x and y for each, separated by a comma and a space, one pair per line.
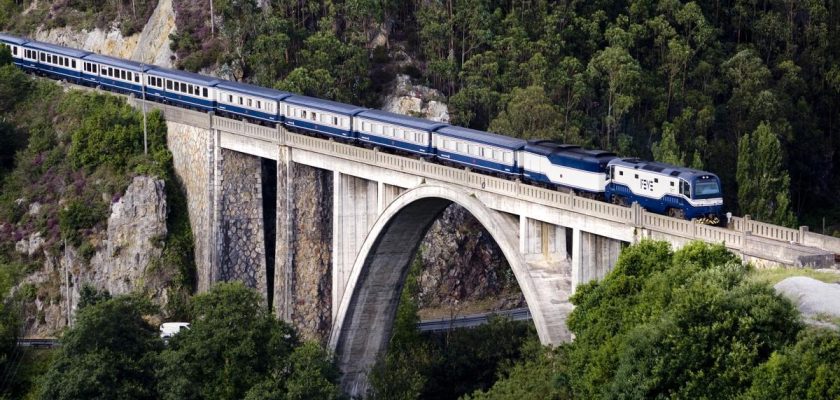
661, 188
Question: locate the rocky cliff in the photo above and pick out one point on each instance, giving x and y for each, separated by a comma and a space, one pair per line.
125, 260
151, 45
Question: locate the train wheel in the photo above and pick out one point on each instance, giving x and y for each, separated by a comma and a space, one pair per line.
676, 213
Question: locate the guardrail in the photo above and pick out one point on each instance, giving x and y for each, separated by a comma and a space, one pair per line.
635, 216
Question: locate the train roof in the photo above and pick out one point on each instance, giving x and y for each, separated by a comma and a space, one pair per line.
56, 49
12, 39
184, 76
546, 147
325, 105
118, 62
661, 168
404, 120
253, 90
490, 138
572, 156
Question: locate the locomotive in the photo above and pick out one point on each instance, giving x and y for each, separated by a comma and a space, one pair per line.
661, 188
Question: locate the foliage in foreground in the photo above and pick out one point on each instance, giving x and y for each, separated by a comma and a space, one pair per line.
236, 349
680, 324
687, 324
110, 353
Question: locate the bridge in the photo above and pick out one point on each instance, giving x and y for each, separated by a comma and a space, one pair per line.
330, 244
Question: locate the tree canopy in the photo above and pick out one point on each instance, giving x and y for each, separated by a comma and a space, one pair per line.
237, 349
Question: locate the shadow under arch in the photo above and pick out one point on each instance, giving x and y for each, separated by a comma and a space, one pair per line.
364, 321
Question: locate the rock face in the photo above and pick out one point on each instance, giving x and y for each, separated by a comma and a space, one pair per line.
124, 262
415, 100
816, 300
149, 46
136, 229
462, 263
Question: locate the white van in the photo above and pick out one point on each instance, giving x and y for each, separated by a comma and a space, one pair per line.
169, 329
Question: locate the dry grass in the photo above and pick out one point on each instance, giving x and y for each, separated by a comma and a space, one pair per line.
773, 276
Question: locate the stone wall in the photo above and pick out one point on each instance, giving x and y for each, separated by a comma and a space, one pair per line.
240, 236
192, 156
303, 280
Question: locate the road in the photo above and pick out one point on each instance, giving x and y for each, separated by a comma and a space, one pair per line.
472, 320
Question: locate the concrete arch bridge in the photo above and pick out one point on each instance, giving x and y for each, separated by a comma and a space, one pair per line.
327, 230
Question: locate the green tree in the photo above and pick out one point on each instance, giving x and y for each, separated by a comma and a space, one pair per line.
236, 349
806, 370
763, 181
530, 114
543, 376
667, 150
110, 353
684, 324
619, 74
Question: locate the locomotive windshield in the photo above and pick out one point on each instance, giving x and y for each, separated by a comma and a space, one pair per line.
705, 188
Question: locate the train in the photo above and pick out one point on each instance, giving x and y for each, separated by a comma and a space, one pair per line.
661, 188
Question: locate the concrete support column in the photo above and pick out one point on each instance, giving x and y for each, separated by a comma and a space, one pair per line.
284, 250
356, 203
577, 259
593, 256
541, 239
215, 205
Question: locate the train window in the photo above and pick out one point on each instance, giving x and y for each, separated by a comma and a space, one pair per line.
474, 150
655, 180
259, 104
366, 126
303, 114
621, 173
335, 121
389, 131
136, 77
204, 92
314, 116
230, 98
637, 176
508, 157
377, 129
326, 119
462, 147
250, 104
14, 50
672, 183
73, 64
43, 57
190, 89
169, 84
183, 87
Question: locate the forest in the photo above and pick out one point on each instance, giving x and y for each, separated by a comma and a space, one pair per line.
746, 89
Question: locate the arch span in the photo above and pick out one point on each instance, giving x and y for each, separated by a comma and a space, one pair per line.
363, 323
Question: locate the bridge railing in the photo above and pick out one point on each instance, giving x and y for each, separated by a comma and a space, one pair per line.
765, 230
635, 216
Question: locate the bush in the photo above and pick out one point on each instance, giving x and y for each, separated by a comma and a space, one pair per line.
77, 216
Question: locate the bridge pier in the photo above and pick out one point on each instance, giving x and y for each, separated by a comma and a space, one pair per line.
303, 254
593, 256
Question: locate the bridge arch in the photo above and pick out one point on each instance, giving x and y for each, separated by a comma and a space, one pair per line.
364, 321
